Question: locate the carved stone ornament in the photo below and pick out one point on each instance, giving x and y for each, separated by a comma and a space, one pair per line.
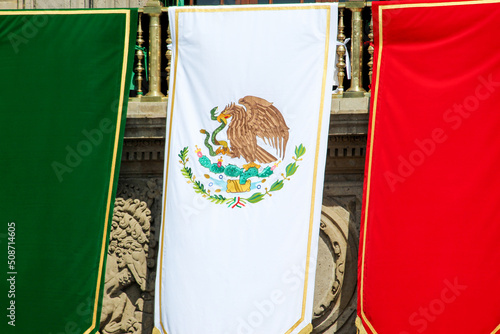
128, 300
335, 290
126, 286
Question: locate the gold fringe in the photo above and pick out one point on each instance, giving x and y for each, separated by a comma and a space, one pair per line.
359, 326
156, 331
306, 330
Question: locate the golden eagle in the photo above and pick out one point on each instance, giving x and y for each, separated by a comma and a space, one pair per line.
261, 119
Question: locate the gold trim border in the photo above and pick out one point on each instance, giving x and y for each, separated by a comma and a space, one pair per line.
118, 125
113, 163
307, 330
318, 140
362, 316
359, 326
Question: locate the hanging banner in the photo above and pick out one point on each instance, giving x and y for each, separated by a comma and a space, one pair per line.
63, 105
247, 128
429, 240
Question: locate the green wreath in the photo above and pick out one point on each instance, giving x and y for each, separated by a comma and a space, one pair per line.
239, 202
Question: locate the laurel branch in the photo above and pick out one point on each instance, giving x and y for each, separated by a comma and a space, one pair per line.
239, 202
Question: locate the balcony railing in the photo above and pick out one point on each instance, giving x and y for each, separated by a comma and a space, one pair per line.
153, 53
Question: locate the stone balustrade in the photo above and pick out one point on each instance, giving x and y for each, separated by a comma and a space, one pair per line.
153, 53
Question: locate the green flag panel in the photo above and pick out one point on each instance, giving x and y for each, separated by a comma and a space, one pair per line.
64, 76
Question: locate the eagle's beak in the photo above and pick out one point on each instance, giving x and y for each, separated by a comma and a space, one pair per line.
223, 118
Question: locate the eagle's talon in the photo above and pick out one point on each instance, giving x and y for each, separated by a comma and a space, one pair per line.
222, 150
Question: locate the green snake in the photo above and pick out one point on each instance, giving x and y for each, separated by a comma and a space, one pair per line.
214, 134
235, 171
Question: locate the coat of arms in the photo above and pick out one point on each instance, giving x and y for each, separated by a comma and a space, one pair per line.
253, 120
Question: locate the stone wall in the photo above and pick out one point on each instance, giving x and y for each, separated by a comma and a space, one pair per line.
8, 4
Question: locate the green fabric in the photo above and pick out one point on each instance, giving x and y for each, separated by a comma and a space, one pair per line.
59, 100
133, 86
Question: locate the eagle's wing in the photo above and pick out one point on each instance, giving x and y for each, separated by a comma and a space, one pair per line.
242, 142
267, 122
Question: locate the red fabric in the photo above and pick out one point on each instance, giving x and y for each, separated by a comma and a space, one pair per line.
430, 237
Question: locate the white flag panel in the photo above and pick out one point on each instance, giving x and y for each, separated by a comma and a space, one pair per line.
247, 128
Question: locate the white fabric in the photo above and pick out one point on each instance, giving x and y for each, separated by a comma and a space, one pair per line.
242, 270
347, 59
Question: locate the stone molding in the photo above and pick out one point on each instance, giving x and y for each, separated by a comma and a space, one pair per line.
335, 291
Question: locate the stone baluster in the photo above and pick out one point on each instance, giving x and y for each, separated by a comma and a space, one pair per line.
341, 50
371, 50
356, 89
153, 9
168, 55
140, 56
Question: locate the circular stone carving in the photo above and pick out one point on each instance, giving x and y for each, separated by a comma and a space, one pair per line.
336, 273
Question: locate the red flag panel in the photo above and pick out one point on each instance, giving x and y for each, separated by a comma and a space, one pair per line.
429, 254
